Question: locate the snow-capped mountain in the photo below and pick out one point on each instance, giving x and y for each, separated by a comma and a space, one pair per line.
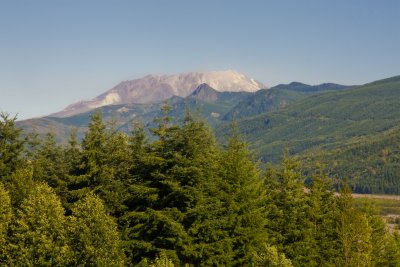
155, 88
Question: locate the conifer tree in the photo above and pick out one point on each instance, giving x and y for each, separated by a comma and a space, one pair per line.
5, 220
49, 164
11, 146
38, 233
392, 251
290, 228
94, 152
93, 156
21, 184
116, 171
354, 232
73, 154
154, 220
228, 223
321, 201
244, 201
94, 237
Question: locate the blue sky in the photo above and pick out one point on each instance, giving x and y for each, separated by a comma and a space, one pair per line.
56, 52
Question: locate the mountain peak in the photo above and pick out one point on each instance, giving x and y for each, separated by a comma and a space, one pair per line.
202, 88
205, 92
156, 88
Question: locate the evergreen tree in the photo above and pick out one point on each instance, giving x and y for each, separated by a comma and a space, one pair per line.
321, 201
73, 164
354, 232
228, 220
94, 153
154, 220
94, 237
91, 172
38, 236
392, 251
244, 201
49, 164
5, 220
73, 154
116, 171
380, 237
11, 146
21, 184
291, 228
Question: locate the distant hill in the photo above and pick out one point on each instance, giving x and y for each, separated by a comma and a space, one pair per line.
301, 87
342, 128
277, 97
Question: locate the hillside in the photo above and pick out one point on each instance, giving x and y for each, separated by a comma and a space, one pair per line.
277, 97
361, 121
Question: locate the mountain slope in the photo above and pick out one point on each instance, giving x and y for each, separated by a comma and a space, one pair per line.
333, 120
155, 88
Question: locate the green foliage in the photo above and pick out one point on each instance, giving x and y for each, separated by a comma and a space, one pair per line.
291, 225
162, 261
269, 256
355, 132
38, 232
49, 165
94, 236
391, 251
5, 220
243, 201
11, 146
265, 100
94, 152
354, 232
180, 199
21, 184
321, 202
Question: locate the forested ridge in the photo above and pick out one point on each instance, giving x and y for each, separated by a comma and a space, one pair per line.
355, 132
180, 199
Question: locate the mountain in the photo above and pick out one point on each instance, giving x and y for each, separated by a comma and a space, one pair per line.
205, 101
205, 92
355, 132
214, 106
155, 88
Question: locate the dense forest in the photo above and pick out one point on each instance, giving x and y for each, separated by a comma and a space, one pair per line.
177, 199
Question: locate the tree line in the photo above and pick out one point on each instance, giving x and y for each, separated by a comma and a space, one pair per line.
176, 199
